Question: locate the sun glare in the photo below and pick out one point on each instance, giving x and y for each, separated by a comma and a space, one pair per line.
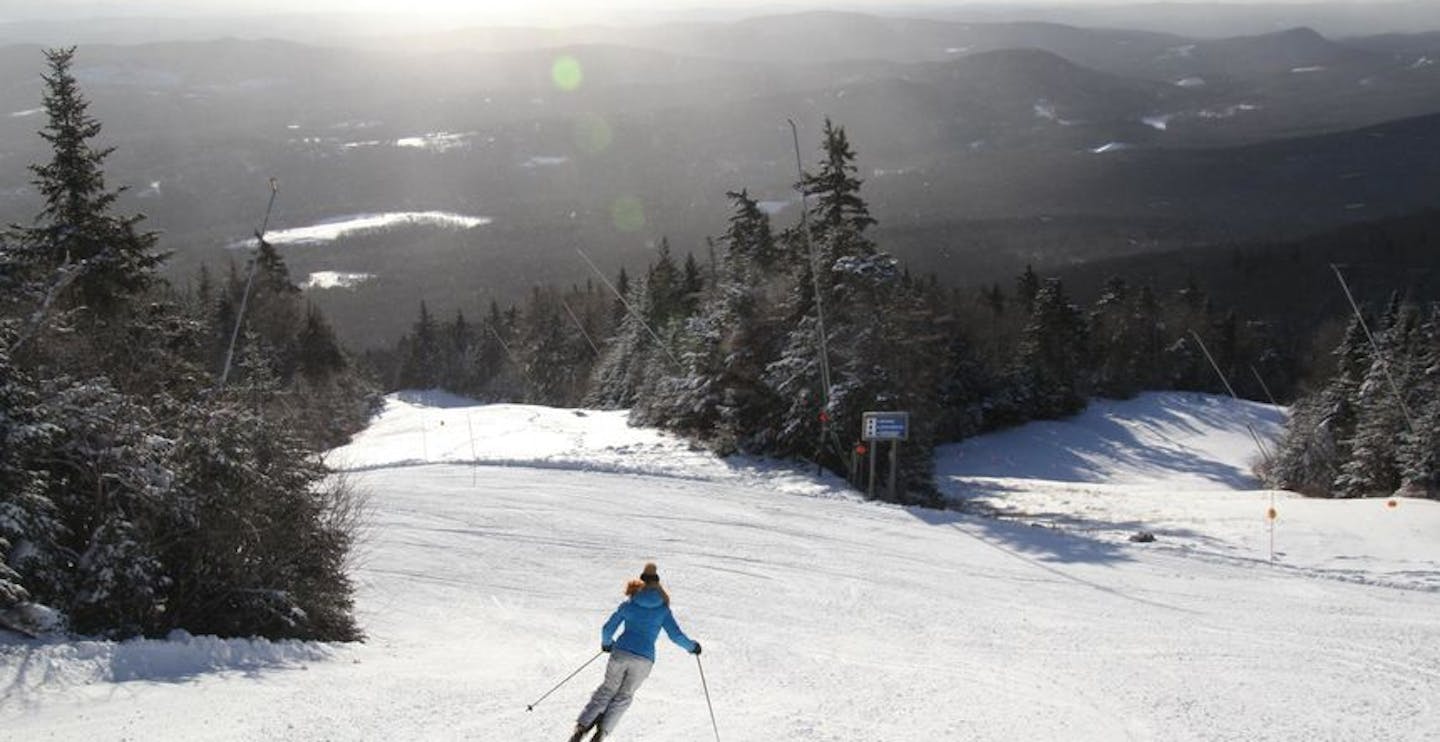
543, 12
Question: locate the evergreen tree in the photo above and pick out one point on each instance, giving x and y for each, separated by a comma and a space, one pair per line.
1419, 455
719, 394
76, 225
1027, 287
1317, 437
97, 427
1051, 367
320, 356
1372, 467
1117, 336
421, 366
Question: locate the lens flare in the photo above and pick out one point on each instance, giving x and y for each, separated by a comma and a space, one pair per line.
567, 74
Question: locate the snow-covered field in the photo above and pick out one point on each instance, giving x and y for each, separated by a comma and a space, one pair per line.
486, 573
336, 280
333, 229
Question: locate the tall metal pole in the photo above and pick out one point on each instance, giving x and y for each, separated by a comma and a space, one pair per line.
894, 466
819, 298
1264, 451
633, 313
581, 326
1264, 386
1384, 364
874, 454
249, 282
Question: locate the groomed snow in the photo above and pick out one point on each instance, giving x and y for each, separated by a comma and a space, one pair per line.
823, 618
1180, 466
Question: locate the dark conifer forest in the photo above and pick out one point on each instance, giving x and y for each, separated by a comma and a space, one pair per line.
138, 493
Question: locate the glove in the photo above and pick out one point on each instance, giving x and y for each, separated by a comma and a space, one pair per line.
696, 650
605, 647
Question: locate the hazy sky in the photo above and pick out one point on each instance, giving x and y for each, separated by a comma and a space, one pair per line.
365, 15
551, 9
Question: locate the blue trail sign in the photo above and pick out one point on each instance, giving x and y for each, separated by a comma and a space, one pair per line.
885, 426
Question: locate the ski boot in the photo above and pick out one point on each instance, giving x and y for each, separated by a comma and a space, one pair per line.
580, 729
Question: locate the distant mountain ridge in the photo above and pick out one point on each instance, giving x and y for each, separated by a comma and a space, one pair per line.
983, 146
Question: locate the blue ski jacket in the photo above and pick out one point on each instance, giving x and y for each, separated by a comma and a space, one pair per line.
644, 614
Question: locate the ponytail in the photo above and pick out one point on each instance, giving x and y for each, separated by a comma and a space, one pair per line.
635, 586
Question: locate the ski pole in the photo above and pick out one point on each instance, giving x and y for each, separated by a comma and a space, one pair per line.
707, 697
532, 706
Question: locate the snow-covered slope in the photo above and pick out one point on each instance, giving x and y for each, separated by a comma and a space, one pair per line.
823, 618
1179, 466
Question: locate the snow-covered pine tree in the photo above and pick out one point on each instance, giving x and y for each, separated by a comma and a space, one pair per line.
76, 225
719, 395
1372, 467
557, 359
319, 355
1050, 371
91, 509
870, 314
420, 368
1116, 337
261, 534
31, 559
632, 362
1419, 455
851, 276
1316, 440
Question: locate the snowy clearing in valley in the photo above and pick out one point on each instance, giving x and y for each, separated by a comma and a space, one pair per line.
334, 229
336, 280
823, 617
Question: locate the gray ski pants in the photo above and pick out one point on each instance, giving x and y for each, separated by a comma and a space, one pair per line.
623, 677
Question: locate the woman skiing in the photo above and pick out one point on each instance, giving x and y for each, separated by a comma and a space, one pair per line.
645, 612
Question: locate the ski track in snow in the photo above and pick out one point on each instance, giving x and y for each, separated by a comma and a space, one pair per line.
823, 618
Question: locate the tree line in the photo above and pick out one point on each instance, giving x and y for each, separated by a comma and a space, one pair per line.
1374, 428
138, 495
727, 350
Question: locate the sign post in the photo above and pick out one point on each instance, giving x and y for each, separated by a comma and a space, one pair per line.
885, 426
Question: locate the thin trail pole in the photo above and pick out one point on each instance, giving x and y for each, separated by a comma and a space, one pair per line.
1384, 363
630, 309
708, 705
249, 282
474, 457
819, 300
1264, 386
1264, 451
1272, 526
581, 327
531, 707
